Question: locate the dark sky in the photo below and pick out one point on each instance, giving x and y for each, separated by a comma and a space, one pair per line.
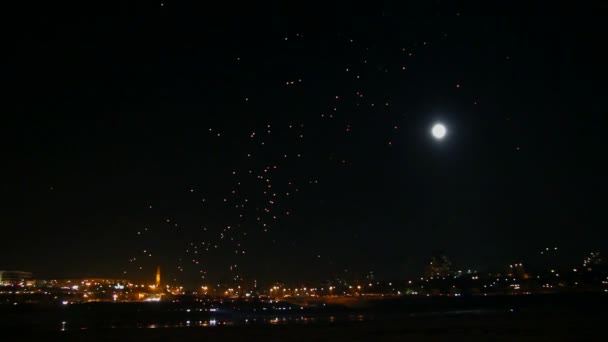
131, 128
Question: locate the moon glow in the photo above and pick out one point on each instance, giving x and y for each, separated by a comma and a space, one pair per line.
439, 131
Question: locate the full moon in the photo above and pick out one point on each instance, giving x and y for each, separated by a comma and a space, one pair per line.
439, 131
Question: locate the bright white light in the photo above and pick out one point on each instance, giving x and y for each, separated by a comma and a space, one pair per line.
439, 131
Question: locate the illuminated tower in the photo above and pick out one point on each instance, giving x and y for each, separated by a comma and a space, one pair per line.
158, 276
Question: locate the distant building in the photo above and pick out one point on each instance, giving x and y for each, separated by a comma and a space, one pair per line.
438, 266
11, 278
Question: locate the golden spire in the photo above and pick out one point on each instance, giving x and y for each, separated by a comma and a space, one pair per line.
158, 276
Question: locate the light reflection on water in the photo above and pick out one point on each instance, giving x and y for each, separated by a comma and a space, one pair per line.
215, 322
266, 320
187, 324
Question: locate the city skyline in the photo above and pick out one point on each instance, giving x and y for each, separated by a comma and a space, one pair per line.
437, 265
440, 278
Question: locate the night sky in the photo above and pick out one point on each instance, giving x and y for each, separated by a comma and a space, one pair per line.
293, 142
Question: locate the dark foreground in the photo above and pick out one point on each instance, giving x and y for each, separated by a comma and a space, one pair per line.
552, 318
461, 328
519, 328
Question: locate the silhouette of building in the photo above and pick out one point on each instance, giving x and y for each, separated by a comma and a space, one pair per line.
12, 278
438, 266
